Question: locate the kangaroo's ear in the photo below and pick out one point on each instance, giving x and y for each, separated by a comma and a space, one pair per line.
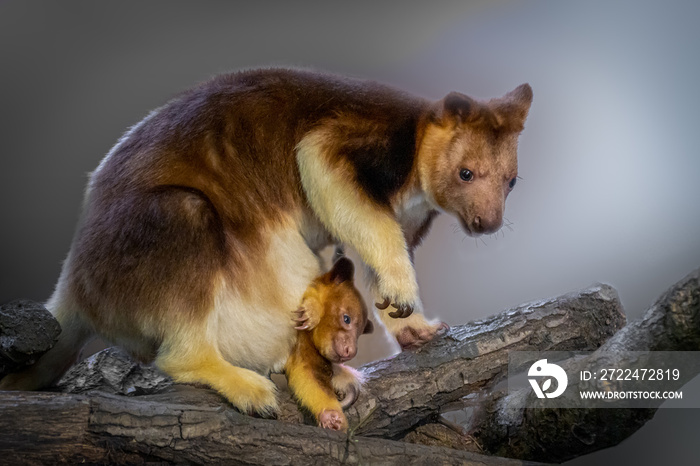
458, 106
460, 109
511, 110
369, 327
342, 271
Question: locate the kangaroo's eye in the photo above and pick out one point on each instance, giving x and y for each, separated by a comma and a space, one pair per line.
511, 185
346, 318
466, 174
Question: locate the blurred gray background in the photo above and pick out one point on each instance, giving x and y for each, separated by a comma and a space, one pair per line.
608, 158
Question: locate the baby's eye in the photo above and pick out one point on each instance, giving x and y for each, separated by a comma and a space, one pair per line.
466, 174
346, 318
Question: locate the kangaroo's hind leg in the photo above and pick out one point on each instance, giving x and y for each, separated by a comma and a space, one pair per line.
187, 357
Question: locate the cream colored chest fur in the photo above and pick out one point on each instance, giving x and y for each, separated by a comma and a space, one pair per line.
256, 331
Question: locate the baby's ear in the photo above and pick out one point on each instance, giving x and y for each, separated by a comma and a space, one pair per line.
342, 271
369, 327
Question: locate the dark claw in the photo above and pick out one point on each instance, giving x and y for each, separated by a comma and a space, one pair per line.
402, 311
383, 305
442, 329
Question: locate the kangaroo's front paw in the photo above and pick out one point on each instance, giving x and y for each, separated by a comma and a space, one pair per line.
332, 419
402, 311
418, 334
400, 290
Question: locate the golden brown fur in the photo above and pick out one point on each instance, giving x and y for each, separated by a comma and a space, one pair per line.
332, 316
201, 227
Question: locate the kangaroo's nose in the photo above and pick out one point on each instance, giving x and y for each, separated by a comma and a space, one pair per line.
477, 224
348, 351
487, 224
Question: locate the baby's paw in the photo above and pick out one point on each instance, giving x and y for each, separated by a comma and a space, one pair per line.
333, 420
307, 316
346, 383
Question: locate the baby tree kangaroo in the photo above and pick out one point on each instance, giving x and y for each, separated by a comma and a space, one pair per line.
331, 318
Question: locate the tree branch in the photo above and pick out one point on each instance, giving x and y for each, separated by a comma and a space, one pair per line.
415, 386
508, 425
27, 330
120, 430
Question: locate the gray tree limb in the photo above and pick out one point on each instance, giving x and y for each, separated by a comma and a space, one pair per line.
27, 330
103, 428
416, 386
507, 424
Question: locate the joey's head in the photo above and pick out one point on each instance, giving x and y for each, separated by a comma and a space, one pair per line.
467, 159
344, 316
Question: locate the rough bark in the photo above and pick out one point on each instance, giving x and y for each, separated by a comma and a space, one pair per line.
113, 371
502, 425
113, 429
415, 386
27, 330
